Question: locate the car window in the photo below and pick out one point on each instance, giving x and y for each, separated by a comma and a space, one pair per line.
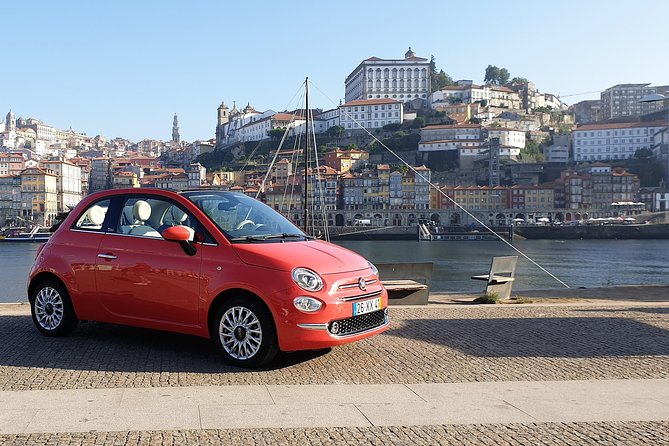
148, 217
93, 217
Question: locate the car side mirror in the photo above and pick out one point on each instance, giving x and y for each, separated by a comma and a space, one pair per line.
176, 234
182, 235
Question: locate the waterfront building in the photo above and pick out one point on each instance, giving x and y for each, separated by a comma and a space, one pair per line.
405, 80
599, 142
10, 197
100, 176
370, 114
39, 196
624, 100
68, 182
531, 197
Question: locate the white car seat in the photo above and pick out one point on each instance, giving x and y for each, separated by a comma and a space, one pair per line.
141, 212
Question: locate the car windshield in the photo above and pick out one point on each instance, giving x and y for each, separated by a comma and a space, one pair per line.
244, 219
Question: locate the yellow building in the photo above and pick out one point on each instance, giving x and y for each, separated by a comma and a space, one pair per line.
39, 196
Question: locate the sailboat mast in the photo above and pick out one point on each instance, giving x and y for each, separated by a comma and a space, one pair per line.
306, 159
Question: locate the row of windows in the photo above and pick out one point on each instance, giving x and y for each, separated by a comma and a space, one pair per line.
609, 149
643, 131
388, 73
386, 84
608, 141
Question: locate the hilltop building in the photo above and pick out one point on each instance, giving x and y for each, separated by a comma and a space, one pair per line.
406, 80
624, 100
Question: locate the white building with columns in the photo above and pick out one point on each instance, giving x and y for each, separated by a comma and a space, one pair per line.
404, 80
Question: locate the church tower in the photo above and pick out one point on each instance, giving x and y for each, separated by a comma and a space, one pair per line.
223, 114
10, 122
175, 130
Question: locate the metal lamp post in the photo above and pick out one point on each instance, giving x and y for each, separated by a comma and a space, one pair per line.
657, 98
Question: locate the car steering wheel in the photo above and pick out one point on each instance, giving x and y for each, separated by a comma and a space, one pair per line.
244, 223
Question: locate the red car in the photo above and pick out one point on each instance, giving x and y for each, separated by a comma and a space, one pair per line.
220, 265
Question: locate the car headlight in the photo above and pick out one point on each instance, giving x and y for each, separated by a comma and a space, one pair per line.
307, 279
374, 269
307, 304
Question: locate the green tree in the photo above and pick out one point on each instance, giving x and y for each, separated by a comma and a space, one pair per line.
491, 74
277, 133
418, 123
438, 80
518, 80
336, 131
532, 152
643, 154
496, 75
503, 76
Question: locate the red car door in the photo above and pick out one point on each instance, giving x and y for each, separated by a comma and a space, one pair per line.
145, 280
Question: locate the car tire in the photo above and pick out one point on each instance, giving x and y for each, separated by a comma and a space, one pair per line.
244, 332
52, 310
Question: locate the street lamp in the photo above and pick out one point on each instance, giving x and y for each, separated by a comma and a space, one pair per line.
657, 98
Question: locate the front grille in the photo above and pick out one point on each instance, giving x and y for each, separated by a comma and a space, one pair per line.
357, 324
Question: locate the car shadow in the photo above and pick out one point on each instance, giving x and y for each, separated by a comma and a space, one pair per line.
109, 347
583, 337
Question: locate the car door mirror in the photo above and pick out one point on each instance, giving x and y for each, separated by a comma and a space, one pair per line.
176, 234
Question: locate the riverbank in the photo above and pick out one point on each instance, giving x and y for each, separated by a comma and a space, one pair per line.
621, 295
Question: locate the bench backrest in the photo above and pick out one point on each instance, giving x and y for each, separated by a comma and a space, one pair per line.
503, 266
419, 271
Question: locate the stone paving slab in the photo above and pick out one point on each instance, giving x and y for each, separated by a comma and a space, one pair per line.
433, 344
554, 434
134, 409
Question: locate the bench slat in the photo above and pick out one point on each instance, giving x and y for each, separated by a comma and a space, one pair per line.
400, 285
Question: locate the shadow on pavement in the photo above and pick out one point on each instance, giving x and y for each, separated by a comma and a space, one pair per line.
108, 347
583, 337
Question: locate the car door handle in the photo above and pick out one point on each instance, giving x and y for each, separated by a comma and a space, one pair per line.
107, 256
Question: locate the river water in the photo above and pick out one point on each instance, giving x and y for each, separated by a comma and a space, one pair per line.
578, 263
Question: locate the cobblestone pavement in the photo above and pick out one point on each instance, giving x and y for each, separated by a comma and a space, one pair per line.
614, 433
425, 344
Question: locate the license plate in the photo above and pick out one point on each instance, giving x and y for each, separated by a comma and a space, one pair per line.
366, 306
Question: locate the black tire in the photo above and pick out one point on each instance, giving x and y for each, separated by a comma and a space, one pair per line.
52, 310
247, 336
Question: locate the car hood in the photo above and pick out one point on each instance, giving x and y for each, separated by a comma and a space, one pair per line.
320, 256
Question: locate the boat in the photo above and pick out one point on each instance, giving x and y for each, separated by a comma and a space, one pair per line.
37, 234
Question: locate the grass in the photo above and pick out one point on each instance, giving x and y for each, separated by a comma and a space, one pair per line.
487, 298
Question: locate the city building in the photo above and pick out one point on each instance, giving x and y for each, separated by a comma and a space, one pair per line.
599, 142
39, 196
10, 197
405, 80
68, 182
344, 160
558, 151
587, 111
624, 100
370, 114
11, 163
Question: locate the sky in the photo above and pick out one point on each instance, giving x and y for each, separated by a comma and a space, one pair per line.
123, 68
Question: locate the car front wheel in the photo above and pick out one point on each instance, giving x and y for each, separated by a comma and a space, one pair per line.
52, 309
244, 332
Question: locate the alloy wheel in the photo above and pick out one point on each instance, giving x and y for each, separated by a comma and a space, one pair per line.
49, 308
240, 333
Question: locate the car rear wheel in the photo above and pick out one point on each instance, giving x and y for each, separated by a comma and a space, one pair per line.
244, 332
52, 310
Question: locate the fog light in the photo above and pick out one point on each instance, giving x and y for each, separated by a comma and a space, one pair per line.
334, 328
307, 304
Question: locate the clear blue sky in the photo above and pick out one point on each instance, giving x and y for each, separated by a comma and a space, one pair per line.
123, 68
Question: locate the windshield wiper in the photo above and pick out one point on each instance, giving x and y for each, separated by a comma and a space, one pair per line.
261, 238
249, 238
286, 235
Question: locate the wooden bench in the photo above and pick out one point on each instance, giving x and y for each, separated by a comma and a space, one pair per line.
406, 283
500, 279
